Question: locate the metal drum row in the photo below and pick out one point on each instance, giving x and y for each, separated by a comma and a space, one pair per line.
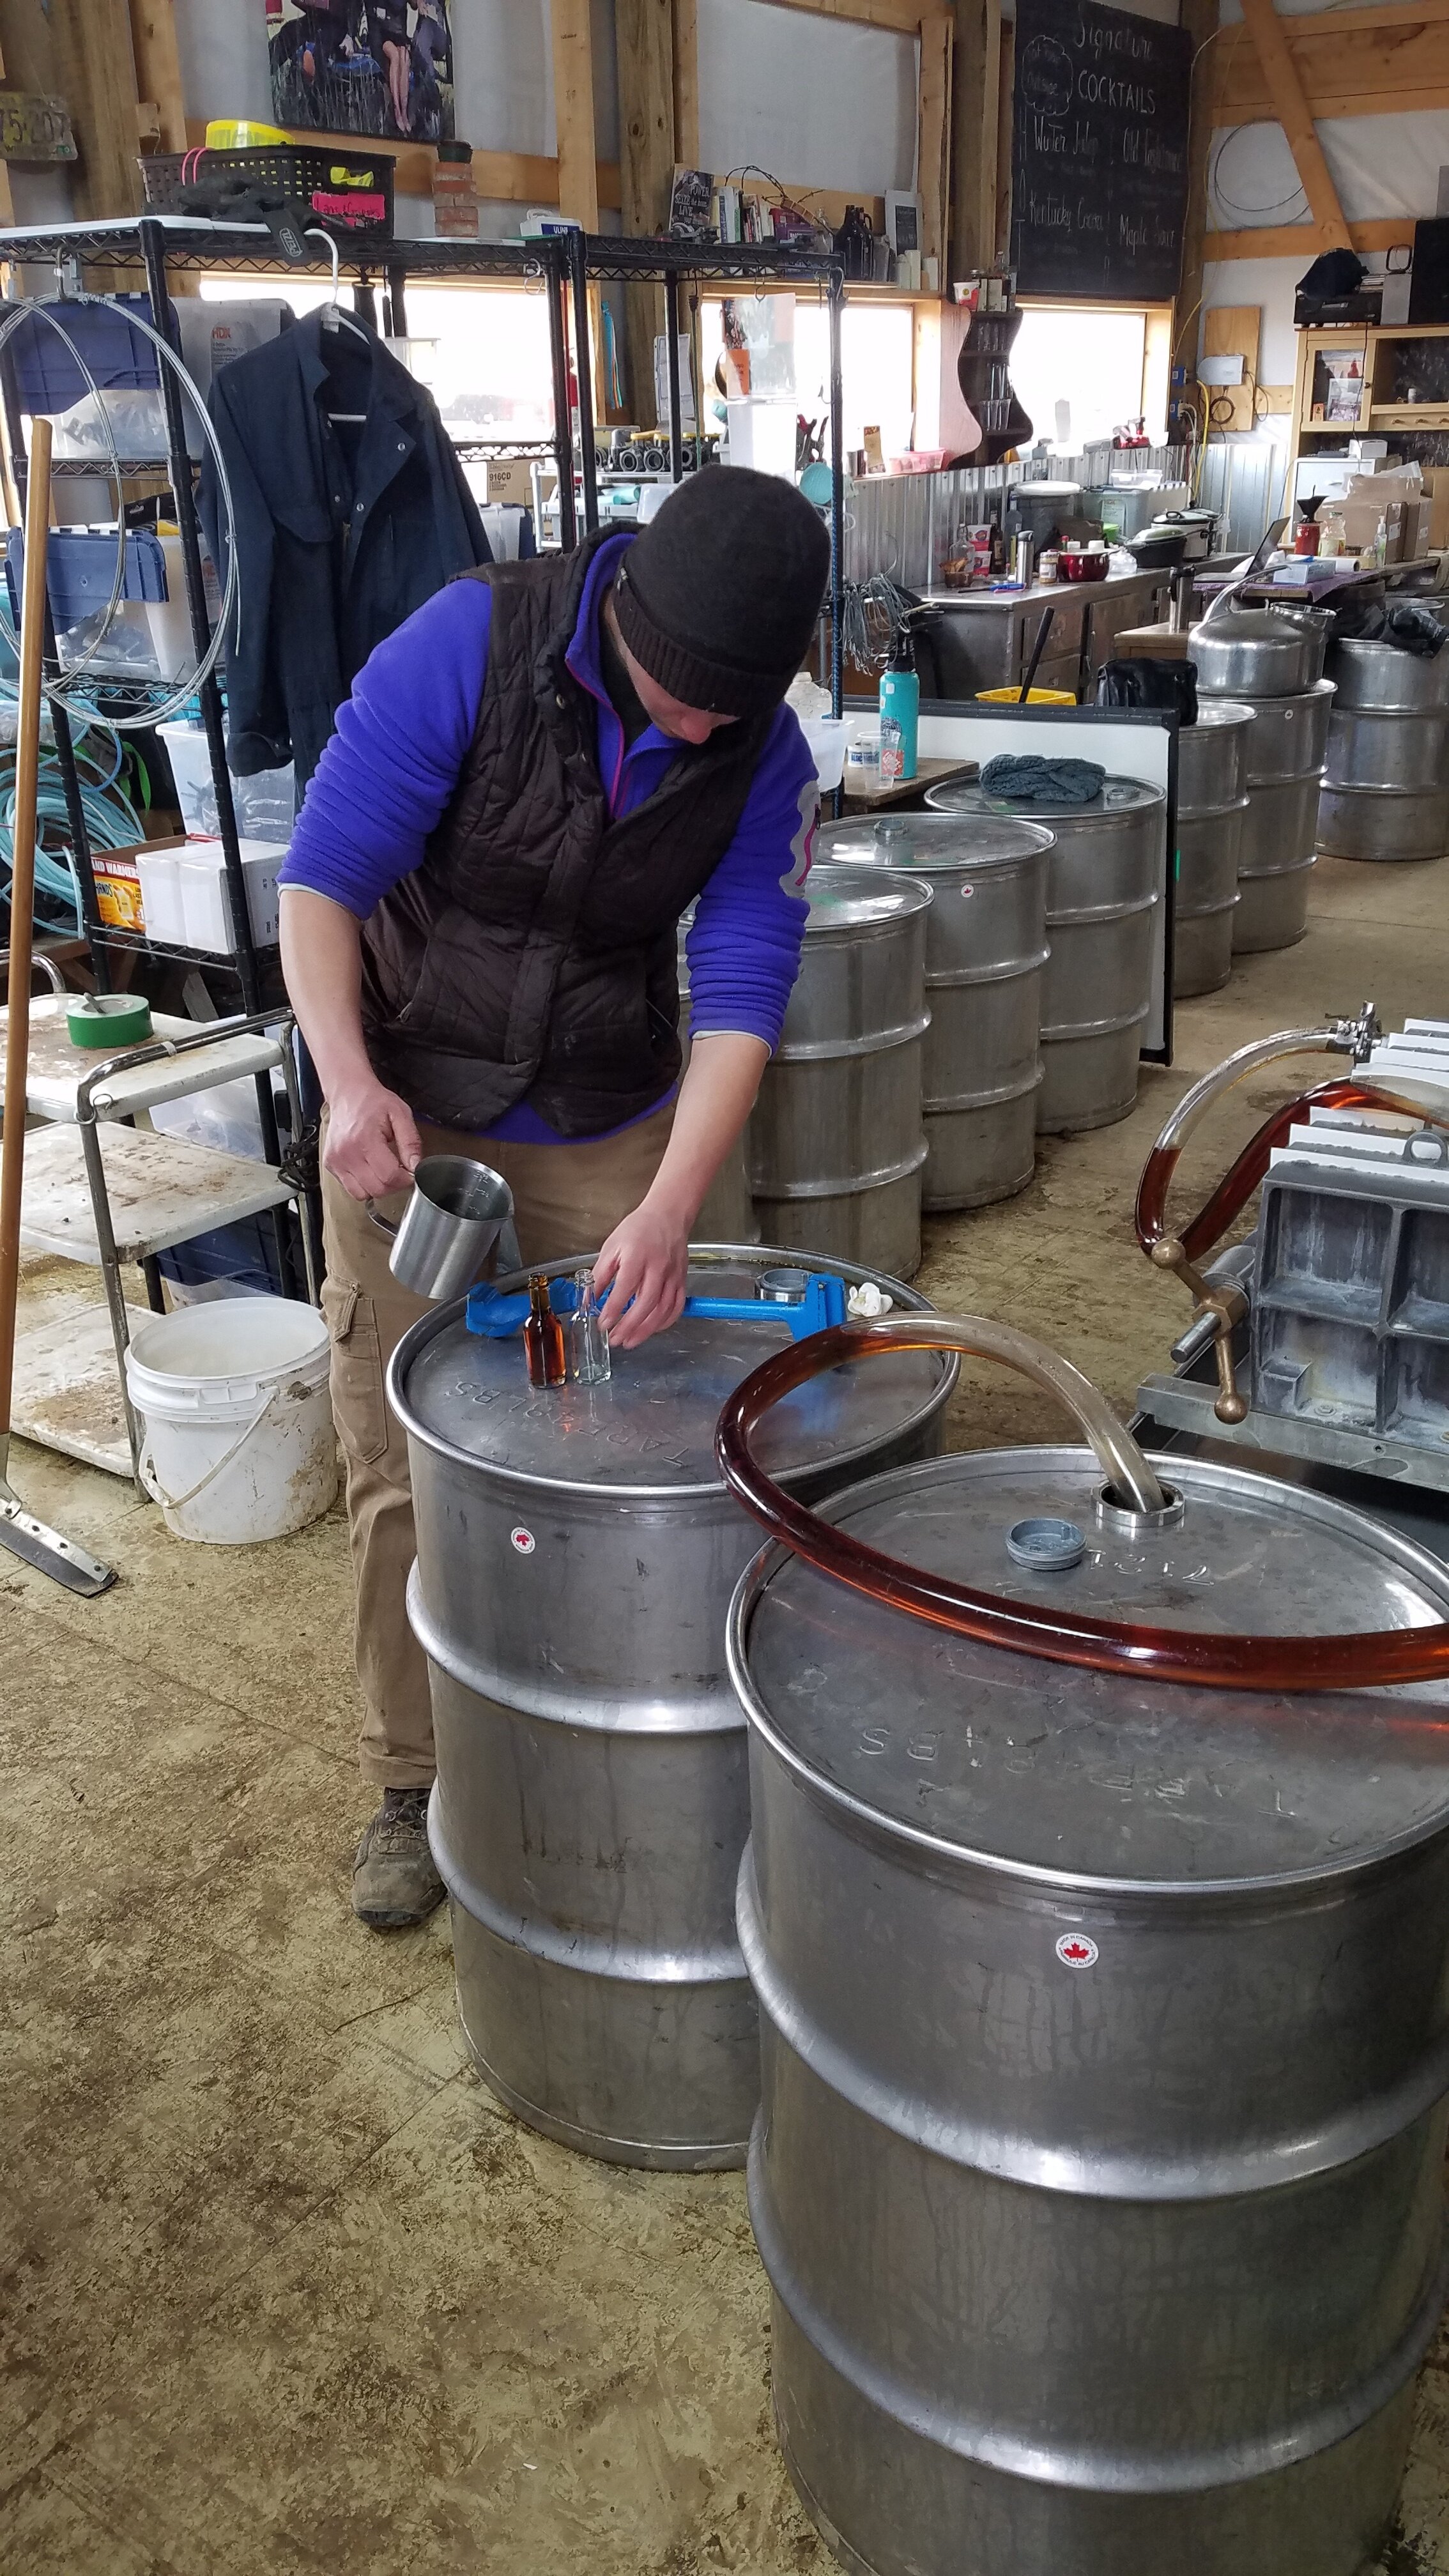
1385, 791
971, 978
1271, 662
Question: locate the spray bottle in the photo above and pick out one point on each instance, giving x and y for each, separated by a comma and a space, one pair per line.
900, 708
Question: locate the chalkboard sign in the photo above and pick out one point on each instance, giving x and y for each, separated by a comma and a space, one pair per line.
1099, 168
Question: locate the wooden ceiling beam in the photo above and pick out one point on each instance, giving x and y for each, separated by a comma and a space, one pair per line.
573, 108
1296, 118
1300, 241
1343, 65
903, 17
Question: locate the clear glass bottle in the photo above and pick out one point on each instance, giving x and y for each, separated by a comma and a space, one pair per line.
588, 1333
543, 1338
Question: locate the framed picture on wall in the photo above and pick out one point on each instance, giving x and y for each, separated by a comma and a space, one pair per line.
378, 67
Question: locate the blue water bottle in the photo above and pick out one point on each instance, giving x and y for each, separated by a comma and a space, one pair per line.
900, 704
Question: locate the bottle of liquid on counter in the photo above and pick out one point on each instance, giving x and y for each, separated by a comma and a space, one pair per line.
589, 1333
900, 700
543, 1338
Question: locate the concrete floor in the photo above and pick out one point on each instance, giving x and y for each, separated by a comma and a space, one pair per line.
281, 2287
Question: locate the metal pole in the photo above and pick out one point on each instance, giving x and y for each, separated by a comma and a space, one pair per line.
244, 953
556, 282
837, 495
366, 295
397, 300
243, 946
80, 841
671, 325
583, 371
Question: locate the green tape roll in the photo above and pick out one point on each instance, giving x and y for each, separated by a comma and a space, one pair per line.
108, 1020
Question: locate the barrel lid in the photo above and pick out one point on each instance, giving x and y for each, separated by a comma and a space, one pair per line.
924, 842
650, 1427
1044, 1767
1221, 711
839, 901
1118, 796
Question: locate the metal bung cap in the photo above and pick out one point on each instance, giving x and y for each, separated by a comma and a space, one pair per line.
1046, 1545
782, 1287
923, 843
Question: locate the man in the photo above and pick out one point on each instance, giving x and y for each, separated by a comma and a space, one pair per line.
533, 778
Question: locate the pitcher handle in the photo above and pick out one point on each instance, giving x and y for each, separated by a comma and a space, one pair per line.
507, 1256
384, 1224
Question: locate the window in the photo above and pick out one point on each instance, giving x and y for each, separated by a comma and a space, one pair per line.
876, 353
1090, 361
483, 352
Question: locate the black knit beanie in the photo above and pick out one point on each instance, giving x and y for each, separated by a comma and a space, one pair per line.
718, 596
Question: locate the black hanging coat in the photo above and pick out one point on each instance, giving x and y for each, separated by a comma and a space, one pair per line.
340, 535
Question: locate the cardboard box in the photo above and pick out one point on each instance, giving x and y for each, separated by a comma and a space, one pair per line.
1436, 493
1361, 518
510, 479
118, 889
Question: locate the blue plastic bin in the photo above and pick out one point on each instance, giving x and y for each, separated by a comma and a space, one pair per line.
120, 359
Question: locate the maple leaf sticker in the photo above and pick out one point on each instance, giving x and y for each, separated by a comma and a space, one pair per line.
1075, 1950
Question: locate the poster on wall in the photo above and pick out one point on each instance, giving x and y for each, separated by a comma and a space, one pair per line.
1099, 156
380, 67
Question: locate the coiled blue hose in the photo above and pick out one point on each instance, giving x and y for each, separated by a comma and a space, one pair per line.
111, 821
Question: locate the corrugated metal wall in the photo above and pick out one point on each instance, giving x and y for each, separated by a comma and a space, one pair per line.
906, 524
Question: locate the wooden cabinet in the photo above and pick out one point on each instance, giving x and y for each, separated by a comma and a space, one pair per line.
1354, 380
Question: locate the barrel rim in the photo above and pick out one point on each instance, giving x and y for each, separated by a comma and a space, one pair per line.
762, 1255
768, 1561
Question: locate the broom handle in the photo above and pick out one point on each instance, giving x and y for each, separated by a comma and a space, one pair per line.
22, 901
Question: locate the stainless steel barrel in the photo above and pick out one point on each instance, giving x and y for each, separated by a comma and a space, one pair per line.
985, 952
1283, 763
728, 1214
1105, 2032
835, 1144
576, 1553
1386, 784
1102, 880
1383, 676
1211, 772
1288, 736
1275, 863
1208, 851
1211, 756
1383, 823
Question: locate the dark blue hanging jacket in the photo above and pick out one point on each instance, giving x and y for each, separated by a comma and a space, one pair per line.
341, 532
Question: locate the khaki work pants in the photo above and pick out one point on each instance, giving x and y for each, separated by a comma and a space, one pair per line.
567, 1198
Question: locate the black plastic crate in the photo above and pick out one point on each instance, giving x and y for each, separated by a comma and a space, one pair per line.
345, 191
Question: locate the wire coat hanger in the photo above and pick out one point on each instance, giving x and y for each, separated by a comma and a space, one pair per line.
335, 317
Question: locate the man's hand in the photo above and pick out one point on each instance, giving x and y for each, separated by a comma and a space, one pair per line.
372, 1141
646, 1258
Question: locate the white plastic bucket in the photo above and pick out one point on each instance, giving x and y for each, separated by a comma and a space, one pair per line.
237, 1435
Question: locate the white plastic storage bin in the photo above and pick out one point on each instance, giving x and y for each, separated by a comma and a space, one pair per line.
184, 898
266, 805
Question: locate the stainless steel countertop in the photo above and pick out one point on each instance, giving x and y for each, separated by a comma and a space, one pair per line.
1061, 594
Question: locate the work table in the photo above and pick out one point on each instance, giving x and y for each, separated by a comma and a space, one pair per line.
984, 639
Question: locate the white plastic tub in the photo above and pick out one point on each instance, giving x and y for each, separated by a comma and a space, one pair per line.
184, 898
237, 1435
266, 804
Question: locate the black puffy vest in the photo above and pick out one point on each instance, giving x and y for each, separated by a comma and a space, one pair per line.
533, 951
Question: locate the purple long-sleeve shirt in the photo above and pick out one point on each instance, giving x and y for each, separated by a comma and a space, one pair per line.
387, 774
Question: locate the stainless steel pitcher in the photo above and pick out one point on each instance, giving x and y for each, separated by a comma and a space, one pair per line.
458, 1213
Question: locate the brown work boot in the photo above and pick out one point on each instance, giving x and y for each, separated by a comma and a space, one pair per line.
393, 1878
